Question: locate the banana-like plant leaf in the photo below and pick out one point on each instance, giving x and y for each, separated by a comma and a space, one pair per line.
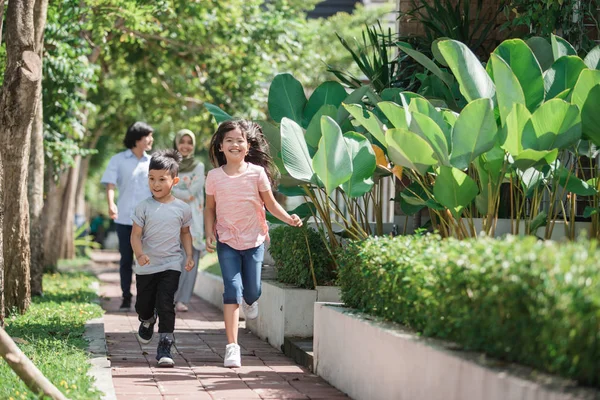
370, 121
294, 151
330, 92
542, 50
556, 124
590, 117
412, 199
474, 133
409, 150
363, 164
573, 184
429, 130
512, 132
291, 191
592, 60
332, 162
220, 115
561, 48
525, 67
540, 220
286, 98
533, 158
587, 80
423, 106
353, 98
426, 62
589, 211
454, 189
474, 81
391, 94
562, 75
313, 132
508, 88
435, 50
394, 113
531, 179
304, 211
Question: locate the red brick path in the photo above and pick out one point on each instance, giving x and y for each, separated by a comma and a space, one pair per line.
198, 373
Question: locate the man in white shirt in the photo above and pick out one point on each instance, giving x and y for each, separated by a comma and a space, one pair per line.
128, 172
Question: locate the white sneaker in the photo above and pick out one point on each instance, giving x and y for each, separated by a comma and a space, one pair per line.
232, 356
250, 311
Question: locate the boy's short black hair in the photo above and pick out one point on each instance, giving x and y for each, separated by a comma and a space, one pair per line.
135, 132
166, 160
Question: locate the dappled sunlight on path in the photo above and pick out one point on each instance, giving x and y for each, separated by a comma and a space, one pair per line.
200, 345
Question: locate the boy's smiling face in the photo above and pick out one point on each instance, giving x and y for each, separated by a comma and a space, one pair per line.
161, 182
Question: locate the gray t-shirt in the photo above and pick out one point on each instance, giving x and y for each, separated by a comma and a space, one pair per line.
161, 234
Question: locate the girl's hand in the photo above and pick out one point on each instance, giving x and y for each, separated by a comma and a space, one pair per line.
189, 264
210, 242
143, 260
295, 221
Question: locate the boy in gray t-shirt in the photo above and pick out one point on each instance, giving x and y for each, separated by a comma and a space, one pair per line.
161, 226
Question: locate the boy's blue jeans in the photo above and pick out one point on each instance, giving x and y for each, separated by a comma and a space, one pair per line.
241, 271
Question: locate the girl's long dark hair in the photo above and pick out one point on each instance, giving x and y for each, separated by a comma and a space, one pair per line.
258, 147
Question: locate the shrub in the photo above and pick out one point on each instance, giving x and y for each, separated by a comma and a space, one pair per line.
518, 299
292, 256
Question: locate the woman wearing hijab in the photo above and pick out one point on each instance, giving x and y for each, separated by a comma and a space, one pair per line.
191, 190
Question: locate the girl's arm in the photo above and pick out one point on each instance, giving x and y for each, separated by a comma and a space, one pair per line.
275, 208
210, 215
136, 245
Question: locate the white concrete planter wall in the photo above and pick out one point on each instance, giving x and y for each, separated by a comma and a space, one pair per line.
503, 227
210, 288
372, 360
287, 311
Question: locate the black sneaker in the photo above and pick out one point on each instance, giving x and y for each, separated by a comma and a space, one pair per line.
146, 331
163, 353
126, 304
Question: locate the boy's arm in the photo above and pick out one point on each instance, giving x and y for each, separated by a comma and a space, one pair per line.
136, 245
275, 208
210, 215
186, 241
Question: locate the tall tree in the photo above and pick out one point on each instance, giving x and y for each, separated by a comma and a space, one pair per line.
36, 166
1, 203
18, 101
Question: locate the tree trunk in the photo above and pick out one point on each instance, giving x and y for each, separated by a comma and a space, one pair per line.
36, 167
1, 17
67, 247
51, 216
25, 369
1, 247
20, 93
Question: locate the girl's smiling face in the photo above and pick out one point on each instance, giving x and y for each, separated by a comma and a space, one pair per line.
185, 146
234, 146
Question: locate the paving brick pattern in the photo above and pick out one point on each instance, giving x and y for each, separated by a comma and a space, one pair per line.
200, 346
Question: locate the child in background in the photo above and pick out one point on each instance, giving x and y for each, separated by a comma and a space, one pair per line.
235, 222
161, 226
191, 190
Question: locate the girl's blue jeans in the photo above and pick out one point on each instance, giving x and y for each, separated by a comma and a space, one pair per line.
241, 271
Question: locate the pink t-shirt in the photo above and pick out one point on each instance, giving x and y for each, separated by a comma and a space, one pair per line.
241, 221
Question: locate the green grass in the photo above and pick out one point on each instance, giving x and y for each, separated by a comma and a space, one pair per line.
50, 333
74, 263
210, 263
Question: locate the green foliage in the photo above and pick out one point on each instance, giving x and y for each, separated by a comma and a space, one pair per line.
50, 333
517, 299
297, 251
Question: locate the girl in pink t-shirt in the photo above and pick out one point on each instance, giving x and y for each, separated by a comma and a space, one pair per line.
237, 193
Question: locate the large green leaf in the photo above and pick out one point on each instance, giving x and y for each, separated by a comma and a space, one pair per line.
573, 184
533, 158
220, 115
587, 80
286, 98
429, 130
313, 132
329, 92
474, 133
563, 74
474, 81
530, 179
423, 106
542, 50
512, 132
408, 149
592, 60
294, 151
394, 113
526, 69
273, 136
590, 116
508, 88
332, 162
363, 164
454, 189
556, 124
561, 48
370, 121
426, 62
304, 210
413, 198
353, 98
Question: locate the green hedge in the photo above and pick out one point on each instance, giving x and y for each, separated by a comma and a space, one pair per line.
292, 258
519, 299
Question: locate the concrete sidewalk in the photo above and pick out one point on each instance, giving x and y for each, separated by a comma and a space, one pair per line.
200, 345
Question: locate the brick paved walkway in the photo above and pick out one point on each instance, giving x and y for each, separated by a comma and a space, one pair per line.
198, 373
